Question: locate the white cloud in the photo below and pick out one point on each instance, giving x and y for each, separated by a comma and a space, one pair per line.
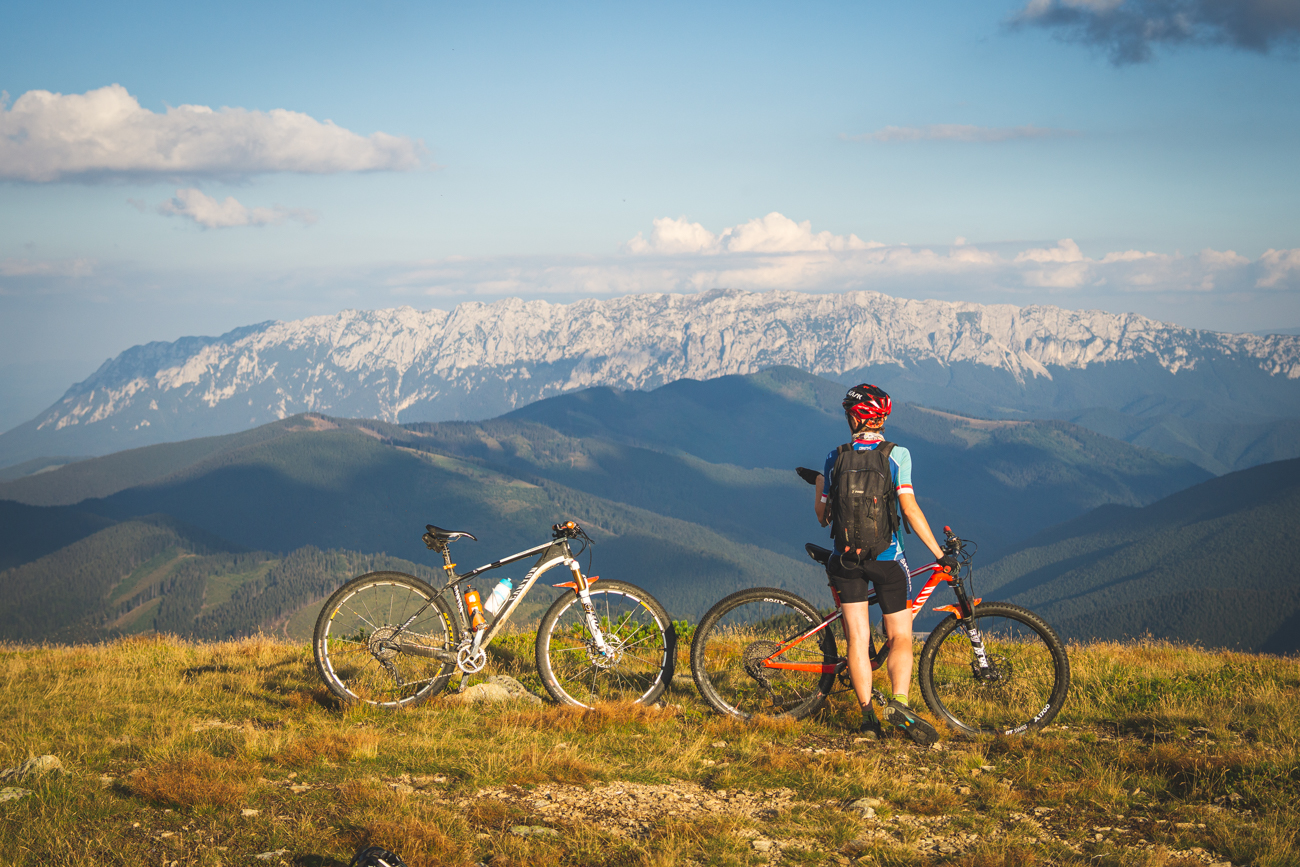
775, 233
211, 214
51, 136
960, 133
775, 252
1278, 267
45, 268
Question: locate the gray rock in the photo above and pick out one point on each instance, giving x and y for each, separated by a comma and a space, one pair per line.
33, 768
13, 793
514, 687
485, 693
534, 831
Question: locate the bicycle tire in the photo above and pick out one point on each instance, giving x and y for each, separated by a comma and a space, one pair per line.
745, 627
1029, 689
356, 658
640, 664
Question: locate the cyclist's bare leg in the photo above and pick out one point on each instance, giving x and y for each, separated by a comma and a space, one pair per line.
857, 622
898, 626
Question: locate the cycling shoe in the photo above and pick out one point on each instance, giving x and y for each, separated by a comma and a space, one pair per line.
900, 716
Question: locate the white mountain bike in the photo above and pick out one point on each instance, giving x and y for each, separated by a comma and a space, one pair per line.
392, 640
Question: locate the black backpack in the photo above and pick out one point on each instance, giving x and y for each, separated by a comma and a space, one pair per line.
863, 503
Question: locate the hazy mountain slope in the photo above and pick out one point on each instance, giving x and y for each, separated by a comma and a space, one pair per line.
100, 477
34, 466
156, 575
1001, 481
480, 360
1212, 564
344, 489
1206, 438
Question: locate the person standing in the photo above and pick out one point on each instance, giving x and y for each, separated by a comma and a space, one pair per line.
863, 485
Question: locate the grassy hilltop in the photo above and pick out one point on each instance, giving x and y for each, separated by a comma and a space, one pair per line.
184, 753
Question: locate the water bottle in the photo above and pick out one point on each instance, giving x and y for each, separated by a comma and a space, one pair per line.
500, 594
476, 619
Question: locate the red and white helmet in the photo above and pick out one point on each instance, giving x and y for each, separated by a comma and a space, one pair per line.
867, 403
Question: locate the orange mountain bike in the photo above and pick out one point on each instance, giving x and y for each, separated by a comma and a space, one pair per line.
989, 667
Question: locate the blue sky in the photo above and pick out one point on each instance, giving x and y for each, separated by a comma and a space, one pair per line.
1020, 152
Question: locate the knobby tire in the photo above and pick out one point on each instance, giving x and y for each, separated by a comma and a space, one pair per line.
363, 658
1024, 692
741, 630
638, 633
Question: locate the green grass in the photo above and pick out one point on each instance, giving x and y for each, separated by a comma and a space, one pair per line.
1170, 750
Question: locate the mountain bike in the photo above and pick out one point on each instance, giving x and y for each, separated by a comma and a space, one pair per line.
986, 668
392, 640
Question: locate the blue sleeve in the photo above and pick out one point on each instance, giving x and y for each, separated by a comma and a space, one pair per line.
901, 460
826, 473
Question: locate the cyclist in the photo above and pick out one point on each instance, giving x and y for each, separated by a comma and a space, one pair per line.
858, 493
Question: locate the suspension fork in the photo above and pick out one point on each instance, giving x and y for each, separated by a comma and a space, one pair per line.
983, 664
582, 587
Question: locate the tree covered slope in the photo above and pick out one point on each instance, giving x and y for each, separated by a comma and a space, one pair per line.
1214, 564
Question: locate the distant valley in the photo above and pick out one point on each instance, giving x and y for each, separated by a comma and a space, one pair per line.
687, 490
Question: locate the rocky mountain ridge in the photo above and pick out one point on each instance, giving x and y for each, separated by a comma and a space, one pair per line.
479, 360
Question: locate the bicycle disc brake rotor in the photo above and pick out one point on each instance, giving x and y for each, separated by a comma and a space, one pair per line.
605, 660
753, 658
381, 644
997, 674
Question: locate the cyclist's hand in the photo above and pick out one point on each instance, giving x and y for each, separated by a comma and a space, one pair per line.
949, 561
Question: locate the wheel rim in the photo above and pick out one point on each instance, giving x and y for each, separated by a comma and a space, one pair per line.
365, 655
732, 654
635, 645
1011, 696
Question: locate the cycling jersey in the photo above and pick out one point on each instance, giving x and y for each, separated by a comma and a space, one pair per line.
900, 463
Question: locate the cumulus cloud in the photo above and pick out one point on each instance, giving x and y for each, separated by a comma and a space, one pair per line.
211, 214
103, 133
1279, 267
1129, 29
959, 132
775, 233
776, 252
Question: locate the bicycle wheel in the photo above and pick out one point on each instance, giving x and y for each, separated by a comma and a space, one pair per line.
363, 656
742, 630
1024, 687
640, 643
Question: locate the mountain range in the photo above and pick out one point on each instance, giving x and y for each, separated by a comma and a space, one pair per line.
1222, 401
687, 490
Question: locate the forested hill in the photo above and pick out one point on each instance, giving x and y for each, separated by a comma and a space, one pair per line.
688, 490
155, 574
1216, 563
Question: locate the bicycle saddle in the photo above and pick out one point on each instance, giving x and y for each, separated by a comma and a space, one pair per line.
818, 553
447, 535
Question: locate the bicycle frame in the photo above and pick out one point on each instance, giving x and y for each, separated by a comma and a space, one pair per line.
939, 574
559, 555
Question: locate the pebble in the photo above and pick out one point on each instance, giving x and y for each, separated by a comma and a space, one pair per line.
248, 813
272, 855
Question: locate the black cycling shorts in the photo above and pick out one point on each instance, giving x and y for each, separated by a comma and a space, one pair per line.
851, 580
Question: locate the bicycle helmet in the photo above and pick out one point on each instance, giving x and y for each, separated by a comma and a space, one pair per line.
376, 856
867, 403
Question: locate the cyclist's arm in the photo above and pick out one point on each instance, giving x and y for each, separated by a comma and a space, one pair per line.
920, 526
819, 501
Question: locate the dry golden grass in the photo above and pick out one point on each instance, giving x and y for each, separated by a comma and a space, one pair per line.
193, 780
218, 752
